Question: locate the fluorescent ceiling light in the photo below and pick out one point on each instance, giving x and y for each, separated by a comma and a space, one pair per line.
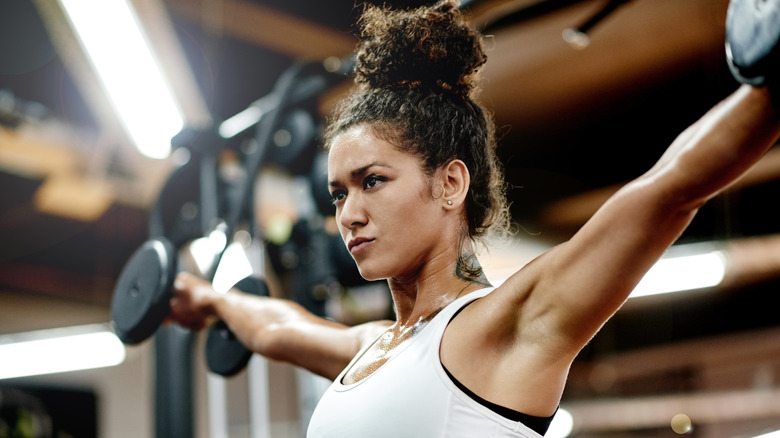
59, 350
775, 434
685, 267
117, 48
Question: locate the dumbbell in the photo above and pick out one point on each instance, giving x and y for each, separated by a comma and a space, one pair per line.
141, 302
752, 48
225, 354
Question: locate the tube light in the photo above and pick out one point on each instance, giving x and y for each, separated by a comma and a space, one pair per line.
117, 48
676, 272
59, 350
775, 434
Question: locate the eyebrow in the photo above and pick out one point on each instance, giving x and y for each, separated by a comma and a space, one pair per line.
357, 173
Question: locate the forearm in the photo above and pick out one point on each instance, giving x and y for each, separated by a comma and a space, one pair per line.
275, 328
263, 324
721, 146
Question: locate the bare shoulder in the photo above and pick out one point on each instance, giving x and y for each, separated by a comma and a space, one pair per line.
501, 341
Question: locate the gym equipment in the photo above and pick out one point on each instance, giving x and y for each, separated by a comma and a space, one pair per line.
578, 37
174, 392
141, 297
195, 201
143, 291
752, 34
225, 354
141, 303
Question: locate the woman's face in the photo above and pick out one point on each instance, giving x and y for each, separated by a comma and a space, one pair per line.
385, 209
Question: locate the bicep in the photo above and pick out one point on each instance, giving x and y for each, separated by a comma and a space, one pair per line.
584, 281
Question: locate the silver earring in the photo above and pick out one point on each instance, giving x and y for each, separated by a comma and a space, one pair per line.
449, 202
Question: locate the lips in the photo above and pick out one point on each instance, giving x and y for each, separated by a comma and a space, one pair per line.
358, 244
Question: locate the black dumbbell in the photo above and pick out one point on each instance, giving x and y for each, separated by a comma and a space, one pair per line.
225, 354
143, 291
141, 301
752, 48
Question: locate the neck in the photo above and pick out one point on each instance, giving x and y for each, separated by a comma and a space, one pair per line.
422, 294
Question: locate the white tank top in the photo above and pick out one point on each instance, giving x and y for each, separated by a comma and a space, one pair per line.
411, 396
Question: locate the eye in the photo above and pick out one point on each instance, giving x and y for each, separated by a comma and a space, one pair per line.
338, 195
371, 181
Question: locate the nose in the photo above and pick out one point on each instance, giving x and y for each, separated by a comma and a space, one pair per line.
351, 213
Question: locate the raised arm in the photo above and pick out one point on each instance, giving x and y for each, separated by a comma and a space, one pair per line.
275, 328
535, 323
588, 278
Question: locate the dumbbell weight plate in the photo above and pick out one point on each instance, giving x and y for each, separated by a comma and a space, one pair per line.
143, 291
752, 32
225, 354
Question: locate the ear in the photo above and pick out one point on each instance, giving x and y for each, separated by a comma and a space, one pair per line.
455, 179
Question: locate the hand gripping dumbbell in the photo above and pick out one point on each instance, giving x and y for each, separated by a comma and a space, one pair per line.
141, 302
752, 48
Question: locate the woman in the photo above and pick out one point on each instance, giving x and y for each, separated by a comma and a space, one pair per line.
416, 184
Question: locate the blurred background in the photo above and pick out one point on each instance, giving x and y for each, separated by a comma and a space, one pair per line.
586, 95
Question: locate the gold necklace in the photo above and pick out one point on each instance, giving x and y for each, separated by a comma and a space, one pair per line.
422, 322
394, 337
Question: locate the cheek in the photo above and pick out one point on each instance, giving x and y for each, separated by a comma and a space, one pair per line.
411, 217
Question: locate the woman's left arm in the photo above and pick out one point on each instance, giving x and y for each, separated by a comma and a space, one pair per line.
578, 285
527, 332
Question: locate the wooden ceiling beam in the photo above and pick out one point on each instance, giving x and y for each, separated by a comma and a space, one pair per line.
266, 27
535, 80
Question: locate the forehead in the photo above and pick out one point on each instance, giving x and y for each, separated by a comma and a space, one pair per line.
359, 147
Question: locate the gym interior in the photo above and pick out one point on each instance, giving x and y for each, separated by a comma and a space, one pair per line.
586, 94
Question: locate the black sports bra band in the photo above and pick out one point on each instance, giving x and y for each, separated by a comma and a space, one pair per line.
537, 424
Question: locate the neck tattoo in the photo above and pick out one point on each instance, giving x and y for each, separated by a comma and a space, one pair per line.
467, 268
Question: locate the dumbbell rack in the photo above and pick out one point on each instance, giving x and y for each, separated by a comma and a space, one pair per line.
195, 187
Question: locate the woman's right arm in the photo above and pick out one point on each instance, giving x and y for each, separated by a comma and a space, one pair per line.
275, 328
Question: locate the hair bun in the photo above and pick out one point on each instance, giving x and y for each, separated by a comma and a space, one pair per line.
430, 47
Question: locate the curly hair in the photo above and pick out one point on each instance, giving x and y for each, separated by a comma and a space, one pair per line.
415, 74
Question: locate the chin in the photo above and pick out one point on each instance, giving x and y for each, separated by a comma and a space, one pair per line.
370, 274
